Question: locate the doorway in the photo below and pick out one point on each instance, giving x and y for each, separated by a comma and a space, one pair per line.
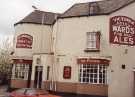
29, 76
38, 76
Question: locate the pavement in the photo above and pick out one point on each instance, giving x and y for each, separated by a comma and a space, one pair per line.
3, 90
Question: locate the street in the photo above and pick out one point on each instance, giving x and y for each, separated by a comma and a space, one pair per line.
3, 93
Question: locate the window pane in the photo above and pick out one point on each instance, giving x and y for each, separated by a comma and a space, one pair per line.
95, 70
100, 75
91, 40
93, 73
21, 71
83, 79
100, 80
91, 80
95, 80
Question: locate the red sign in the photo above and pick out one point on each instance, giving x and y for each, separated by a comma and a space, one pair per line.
24, 41
122, 30
22, 61
92, 61
67, 72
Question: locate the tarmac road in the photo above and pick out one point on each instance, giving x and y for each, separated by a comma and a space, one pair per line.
3, 93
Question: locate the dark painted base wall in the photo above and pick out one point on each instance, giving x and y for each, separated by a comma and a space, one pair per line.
77, 88
18, 83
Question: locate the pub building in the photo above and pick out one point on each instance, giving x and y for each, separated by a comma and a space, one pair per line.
88, 49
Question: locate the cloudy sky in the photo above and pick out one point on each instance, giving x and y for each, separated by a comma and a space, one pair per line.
14, 10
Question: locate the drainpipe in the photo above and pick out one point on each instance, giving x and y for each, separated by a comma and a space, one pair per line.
55, 55
52, 53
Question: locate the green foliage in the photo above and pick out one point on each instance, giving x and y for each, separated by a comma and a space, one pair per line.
5, 60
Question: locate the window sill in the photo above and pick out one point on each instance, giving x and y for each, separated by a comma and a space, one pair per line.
91, 50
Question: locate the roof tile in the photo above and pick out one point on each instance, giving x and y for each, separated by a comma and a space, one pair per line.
39, 17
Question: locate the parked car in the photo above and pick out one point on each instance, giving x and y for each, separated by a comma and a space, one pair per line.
3, 79
31, 92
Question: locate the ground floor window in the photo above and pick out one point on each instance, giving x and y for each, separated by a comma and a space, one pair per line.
94, 74
20, 71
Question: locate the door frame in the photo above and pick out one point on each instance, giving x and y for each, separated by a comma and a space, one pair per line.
38, 76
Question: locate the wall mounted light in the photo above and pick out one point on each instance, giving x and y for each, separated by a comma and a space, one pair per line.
123, 66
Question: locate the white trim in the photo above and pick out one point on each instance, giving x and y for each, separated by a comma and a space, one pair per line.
22, 57
94, 57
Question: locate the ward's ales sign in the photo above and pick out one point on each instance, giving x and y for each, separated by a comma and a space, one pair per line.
24, 41
122, 30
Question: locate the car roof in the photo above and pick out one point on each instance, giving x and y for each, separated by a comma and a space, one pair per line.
39, 91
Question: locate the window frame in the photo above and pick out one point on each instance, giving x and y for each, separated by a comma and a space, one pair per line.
84, 75
94, 38
20, 71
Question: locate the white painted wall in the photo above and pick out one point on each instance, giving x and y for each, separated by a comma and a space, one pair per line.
46, 60
71, 42
121, 83
41, 39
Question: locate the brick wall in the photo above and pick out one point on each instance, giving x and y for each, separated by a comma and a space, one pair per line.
18, 83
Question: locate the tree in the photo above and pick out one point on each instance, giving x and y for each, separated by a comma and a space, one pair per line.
5, 61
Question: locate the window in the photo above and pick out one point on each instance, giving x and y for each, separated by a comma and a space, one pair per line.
94, 74
20, 71
93, 41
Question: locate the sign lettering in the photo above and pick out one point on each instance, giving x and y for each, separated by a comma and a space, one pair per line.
92, 61
24, 41
122, 30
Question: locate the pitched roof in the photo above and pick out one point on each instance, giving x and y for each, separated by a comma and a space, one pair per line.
81, 9
39, 17
96, 8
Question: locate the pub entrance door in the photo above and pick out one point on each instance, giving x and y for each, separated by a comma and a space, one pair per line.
38, 76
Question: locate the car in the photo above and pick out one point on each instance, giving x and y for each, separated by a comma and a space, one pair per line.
31, 92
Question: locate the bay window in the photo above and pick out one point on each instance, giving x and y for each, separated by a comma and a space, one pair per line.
93, 74
20, 71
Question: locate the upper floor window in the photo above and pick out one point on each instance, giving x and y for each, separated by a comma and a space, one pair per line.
93, 41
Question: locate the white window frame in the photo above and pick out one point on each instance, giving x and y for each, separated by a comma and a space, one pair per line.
96, 79
92, 40
20, 71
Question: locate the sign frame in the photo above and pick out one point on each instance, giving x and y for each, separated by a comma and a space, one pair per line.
67, 72
122, 30
24, 41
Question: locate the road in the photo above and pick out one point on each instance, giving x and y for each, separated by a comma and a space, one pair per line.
3, 92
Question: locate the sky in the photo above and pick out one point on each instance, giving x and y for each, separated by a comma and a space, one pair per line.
13, 11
